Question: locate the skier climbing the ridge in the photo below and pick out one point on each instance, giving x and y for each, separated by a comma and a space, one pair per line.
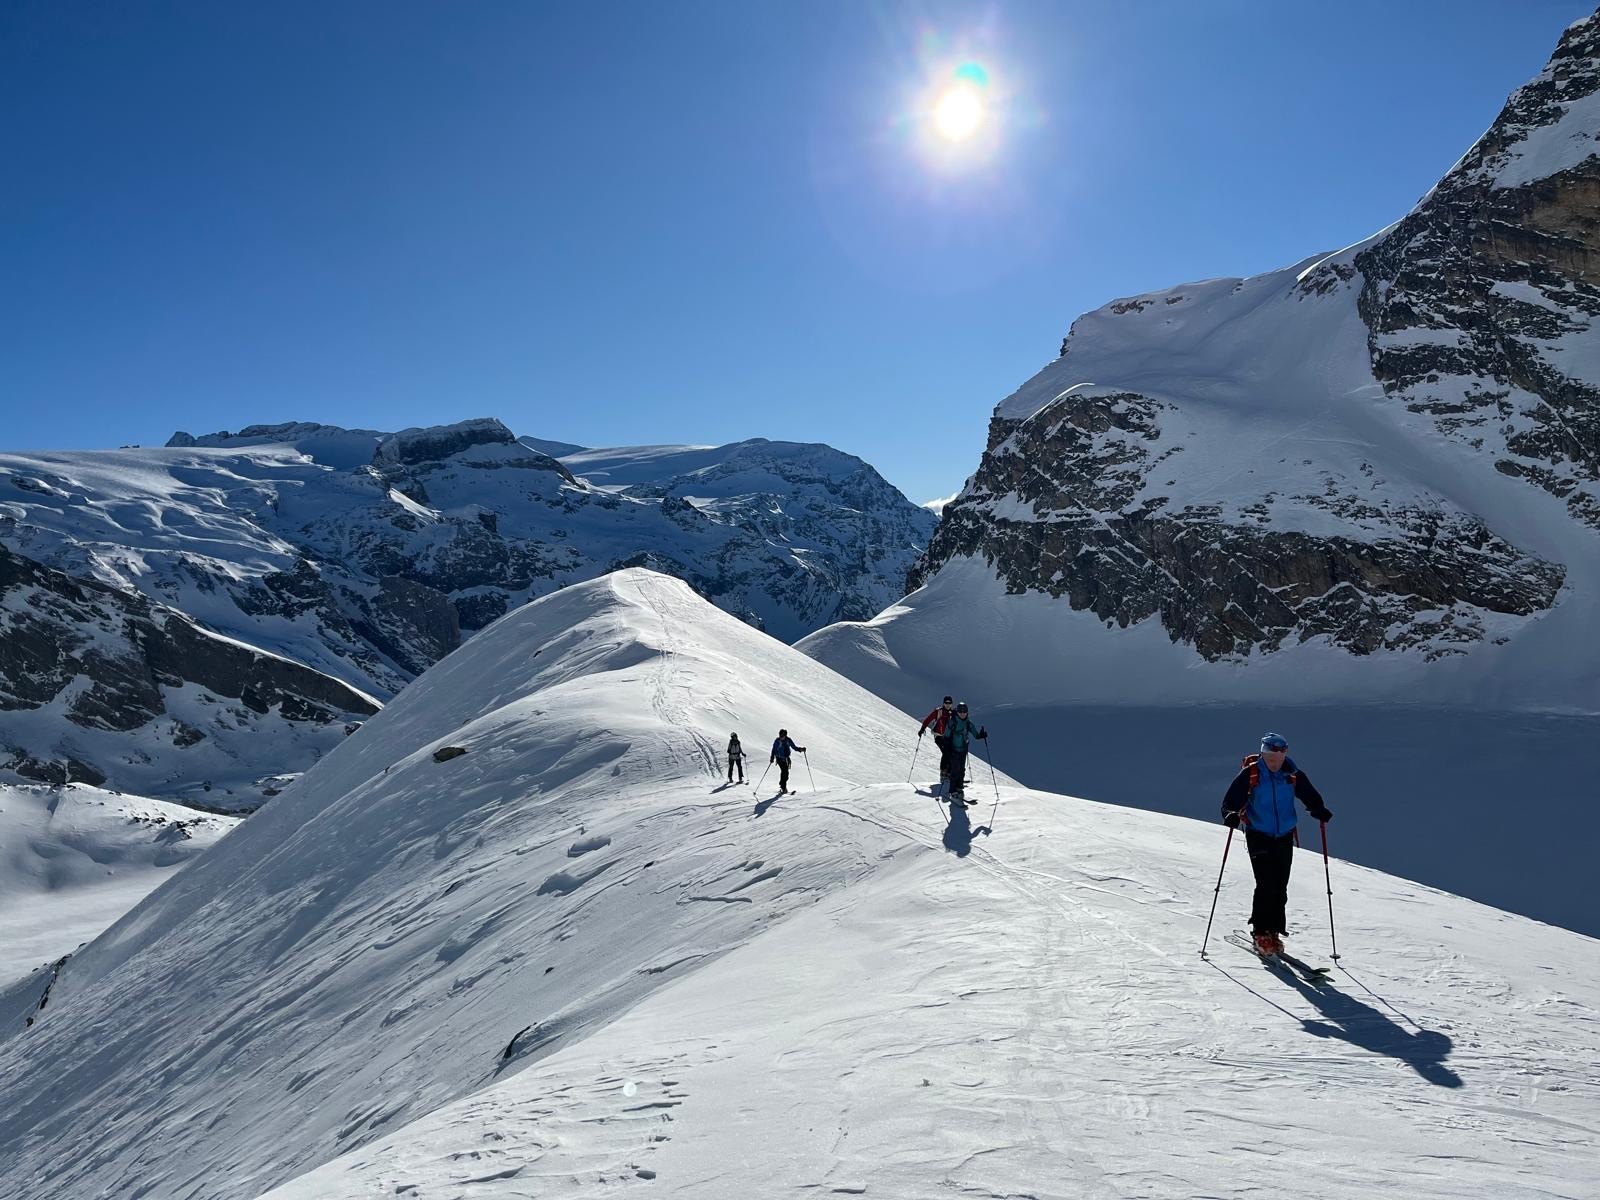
959, 731
939, 718
735, 758
1261, 799
782, 748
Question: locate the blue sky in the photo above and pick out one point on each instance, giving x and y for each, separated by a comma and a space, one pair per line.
698, 221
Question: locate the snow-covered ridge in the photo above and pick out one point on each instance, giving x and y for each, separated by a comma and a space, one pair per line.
570, 960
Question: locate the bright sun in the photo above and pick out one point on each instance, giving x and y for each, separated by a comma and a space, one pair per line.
958, 113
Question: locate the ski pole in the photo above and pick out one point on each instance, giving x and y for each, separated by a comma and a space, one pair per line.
1328, 879
763, 778
993, 781
914, 753
809, 775
1225, 847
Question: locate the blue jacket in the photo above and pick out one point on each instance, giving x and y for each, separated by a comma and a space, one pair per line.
781, 748
960, 730
1269, 807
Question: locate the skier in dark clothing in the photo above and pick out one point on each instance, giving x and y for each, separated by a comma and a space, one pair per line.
1261, 799
781, 750
959, 732
939, 718
735, 758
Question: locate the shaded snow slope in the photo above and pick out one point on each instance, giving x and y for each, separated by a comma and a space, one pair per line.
73, 859
571, 961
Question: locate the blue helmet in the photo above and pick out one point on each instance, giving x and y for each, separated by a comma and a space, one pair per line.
1274, 741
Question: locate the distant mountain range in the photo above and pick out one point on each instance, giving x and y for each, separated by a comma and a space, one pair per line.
199, 620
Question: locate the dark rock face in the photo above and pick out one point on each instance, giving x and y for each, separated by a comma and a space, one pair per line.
108, 656
1471, 298
1224, 588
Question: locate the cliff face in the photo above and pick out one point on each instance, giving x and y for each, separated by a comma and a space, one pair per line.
1321, 454
1483, 302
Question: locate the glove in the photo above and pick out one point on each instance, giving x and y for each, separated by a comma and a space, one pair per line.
922, 731
983, 735
1325, 815
1231, 820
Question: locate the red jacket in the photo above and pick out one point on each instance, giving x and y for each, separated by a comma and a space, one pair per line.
937, 718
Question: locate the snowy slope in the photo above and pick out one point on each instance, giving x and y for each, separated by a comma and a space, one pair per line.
73, 859
366, 557
571, 961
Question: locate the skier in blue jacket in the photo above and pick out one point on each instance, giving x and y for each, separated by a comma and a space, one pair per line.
782, 748
1261, 798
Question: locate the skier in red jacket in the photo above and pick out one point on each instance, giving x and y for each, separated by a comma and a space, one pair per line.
939, 718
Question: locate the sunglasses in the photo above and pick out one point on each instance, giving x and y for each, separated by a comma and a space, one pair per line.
1274, 747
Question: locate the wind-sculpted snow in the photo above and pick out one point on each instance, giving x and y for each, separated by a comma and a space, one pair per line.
398, 980
368, 557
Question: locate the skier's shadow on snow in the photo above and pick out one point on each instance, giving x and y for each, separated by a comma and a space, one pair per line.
1350, 1020
763, 805
958, 832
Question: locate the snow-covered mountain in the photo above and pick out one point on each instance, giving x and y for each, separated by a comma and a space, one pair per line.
1367, 480
1374, 471
571, 961
360, 558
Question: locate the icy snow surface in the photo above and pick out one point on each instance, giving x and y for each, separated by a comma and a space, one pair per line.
422, 979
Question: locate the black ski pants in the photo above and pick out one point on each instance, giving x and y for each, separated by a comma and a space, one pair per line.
1270, 859
735, 760
783, 774
958, 770
943, 743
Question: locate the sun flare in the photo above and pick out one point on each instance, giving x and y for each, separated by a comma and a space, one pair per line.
958, 113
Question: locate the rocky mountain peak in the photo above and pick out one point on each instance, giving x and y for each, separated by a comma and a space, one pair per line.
1393, 448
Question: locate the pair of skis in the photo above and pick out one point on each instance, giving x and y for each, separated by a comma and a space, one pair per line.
1315, 976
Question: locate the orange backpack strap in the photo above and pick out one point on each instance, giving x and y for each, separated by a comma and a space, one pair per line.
1252, 761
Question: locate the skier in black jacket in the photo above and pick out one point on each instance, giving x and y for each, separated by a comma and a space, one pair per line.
782, 747
735, 758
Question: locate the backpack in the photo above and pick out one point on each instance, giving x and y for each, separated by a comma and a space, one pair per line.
1253, 761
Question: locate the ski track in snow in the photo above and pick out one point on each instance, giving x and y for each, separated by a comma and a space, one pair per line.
406, 983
